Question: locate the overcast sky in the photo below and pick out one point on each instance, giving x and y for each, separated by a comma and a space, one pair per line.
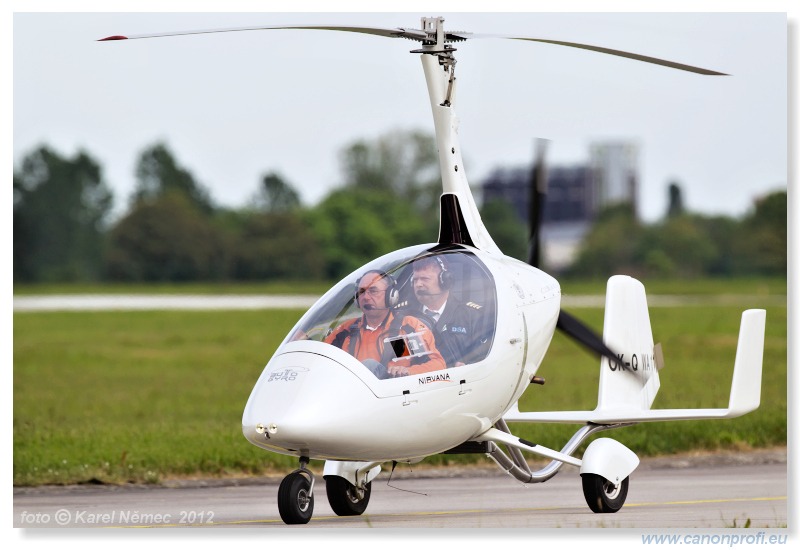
234, 106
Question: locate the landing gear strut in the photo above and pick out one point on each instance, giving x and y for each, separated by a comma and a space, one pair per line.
296, 495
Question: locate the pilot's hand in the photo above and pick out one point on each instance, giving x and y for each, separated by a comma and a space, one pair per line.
397, 370
299, 335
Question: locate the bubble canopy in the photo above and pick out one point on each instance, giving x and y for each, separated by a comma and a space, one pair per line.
418, 310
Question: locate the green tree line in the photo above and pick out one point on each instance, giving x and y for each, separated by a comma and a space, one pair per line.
173, 231
685, 244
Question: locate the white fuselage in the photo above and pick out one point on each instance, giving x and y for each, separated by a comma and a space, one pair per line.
315, 400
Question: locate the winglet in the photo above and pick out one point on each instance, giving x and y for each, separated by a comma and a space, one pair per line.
746, 384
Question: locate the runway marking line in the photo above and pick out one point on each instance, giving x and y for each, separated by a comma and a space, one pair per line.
457, 512
709, 501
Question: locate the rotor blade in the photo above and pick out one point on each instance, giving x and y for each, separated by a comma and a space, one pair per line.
422, 36
585, 336
609, 51
413, 34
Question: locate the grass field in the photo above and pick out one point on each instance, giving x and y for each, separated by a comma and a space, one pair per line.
142, 396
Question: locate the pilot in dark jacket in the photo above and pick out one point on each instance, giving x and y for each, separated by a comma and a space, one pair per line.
463, 330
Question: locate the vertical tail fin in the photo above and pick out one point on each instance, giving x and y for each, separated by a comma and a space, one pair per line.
633, 383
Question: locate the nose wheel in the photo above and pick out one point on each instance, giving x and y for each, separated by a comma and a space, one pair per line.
296, 495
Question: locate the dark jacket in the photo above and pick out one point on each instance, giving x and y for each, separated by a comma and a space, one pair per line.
463, 332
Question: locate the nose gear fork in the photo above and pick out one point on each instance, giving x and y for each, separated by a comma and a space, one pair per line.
303, 470
296, 495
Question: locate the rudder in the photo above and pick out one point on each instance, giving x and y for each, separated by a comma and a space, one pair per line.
633, 383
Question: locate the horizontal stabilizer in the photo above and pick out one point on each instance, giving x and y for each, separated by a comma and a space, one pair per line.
745, 389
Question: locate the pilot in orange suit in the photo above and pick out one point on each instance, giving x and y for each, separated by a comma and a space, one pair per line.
412, 348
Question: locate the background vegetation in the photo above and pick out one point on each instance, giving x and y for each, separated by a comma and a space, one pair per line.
173, 232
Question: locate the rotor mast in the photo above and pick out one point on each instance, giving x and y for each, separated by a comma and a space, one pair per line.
439, 63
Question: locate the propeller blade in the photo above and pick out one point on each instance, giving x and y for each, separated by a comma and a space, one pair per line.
585, 336
538, 194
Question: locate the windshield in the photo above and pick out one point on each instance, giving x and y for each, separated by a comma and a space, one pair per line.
417, 310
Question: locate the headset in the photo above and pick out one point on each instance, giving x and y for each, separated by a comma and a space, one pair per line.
392, 295
445, 277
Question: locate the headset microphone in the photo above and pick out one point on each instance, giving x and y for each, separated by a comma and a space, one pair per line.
427, 293
392, 295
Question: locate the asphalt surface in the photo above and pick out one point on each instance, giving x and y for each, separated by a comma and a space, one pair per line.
713, 491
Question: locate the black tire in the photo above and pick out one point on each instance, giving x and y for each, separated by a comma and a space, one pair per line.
602, 496
343, 496
294, 503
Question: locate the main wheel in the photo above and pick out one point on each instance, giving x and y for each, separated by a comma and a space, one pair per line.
602, 496
345, 498
295, 504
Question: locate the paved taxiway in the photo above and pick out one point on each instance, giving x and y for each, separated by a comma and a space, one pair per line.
708, 492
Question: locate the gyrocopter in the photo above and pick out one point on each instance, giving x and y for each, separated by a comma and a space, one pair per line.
428, 349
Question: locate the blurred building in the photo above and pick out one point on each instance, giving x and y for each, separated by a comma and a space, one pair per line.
614, 168
574, 196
